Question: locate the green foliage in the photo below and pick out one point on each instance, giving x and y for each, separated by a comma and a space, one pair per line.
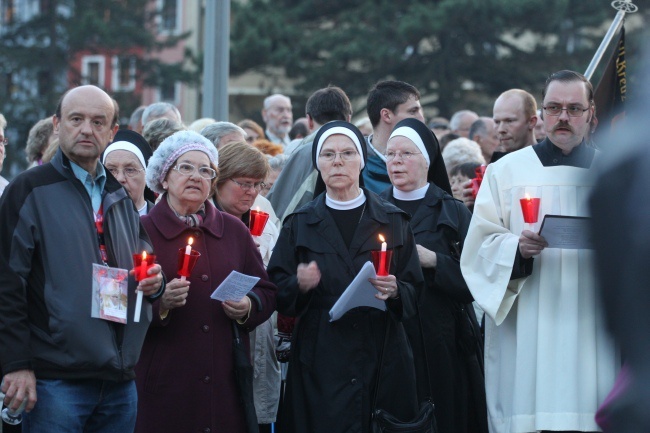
464, 51
41, 50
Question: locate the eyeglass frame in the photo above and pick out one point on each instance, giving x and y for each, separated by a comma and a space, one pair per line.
558, 114
195, 170
351, 155
246, 186
5, 141
124, 170
402, 155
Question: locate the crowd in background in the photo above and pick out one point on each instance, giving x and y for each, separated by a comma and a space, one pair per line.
500, 330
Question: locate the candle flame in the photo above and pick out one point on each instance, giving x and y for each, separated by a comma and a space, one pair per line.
144, 255
190, 241
527, 196
381, 238
258, 209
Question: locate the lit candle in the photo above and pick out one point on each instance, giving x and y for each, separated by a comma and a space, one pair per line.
530, 209
142, 275
186, 260
383, 271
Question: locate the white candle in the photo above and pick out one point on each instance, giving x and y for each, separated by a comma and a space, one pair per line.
143, 274
383, 243
186, 261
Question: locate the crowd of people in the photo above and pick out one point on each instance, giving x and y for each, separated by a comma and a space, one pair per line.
501, 330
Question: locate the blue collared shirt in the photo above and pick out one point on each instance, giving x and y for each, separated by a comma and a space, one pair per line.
95, 186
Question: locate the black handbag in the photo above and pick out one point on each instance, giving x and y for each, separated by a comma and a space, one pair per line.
244, 380
384, 422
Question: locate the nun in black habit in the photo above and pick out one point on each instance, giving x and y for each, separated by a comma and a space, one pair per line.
321, 248
451, 332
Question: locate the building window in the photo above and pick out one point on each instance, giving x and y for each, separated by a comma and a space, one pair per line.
168, 92
92, 70
123, 73
170, 15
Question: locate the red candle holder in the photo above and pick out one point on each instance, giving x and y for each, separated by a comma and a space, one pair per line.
141, 265
257, 222
530, 209
187, 262
381, 261
476, 182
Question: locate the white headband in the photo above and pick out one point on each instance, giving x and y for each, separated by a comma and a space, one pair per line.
405, 131
125, 145
343, 131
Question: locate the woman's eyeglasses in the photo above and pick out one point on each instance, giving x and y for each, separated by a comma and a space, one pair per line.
246, 186
347, 155
187, 169
128, 171
404, 155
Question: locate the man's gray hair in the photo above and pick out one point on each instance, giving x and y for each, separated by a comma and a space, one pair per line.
158, 110
454, 122
216, 131
136, 117
3, 121
268, 99
478, 128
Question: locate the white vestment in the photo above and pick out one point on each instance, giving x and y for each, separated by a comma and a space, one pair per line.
549, 361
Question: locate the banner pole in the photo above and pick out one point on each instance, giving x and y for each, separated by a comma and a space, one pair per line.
623, 7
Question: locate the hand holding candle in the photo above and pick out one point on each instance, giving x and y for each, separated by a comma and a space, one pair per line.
141, 265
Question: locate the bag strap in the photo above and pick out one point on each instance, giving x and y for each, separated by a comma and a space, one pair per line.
381, 362
383, 349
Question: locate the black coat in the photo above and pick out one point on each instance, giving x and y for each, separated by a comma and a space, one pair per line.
332, 371
451, 333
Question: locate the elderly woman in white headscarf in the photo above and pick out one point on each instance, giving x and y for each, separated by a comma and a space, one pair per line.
126, 159
185, 376
333, 369
451, 332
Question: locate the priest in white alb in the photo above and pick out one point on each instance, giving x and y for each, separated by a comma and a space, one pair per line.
549, 361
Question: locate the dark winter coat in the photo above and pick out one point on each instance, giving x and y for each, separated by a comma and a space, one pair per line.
185, 375
332, 371
451, 333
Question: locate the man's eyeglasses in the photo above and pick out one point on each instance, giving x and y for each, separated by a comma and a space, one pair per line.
187, 169
246, 186
128, 172
347, 155
4, 141
404, 155
556, 110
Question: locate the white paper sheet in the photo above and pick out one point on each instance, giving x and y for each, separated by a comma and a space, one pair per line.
234, 287
567, 232
360, 293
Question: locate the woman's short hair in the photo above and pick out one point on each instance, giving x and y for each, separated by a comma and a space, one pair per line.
267, 147
467, 170
157, 130
239, 159
251, 124
38, 139
278, 162
460, 151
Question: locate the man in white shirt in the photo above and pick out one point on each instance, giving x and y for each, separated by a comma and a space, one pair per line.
549, 361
